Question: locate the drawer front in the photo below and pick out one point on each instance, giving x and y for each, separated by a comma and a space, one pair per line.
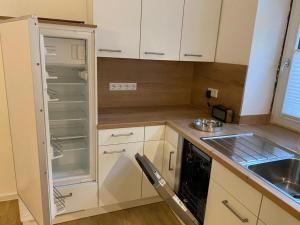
121, 135
171, 136
223, 208
155, 133
120, 176
242, 191
80, 196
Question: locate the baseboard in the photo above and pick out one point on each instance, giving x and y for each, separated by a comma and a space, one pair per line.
8, 197
255, 119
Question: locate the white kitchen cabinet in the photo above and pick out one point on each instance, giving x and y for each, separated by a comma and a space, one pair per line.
223, 208
272, 214
154, 151
200, 30
118, 32
161, 29
169, 163
120, 176
155, 133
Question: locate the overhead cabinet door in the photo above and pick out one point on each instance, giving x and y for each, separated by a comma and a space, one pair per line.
19, 42
161, 29
118, 28
200, 30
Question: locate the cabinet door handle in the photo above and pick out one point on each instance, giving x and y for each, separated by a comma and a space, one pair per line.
154, 53
170, 160
243, 220
122, 135
114, 152
110, 50
193, 55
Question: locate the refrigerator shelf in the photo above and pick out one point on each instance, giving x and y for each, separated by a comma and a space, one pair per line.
59, 200
68, 99
69, 143
67, 116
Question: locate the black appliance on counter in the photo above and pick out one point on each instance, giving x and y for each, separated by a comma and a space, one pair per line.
190, 202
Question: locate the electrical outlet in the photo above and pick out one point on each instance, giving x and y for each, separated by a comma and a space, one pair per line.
214, 92
122, 86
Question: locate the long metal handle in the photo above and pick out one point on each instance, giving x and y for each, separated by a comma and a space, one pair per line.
114, 152
170, 160
193, 55
243, 220
122, 135
110, 50
154, 53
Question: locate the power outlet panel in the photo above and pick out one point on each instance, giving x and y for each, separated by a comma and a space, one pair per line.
214, 92
122, 86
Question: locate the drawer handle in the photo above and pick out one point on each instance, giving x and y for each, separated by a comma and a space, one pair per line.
122, 135
114, 152
154, 53
170, 160
110, 50
193, 55
243, 220
66, 196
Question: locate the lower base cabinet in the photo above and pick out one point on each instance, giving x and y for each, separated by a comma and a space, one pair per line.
223, 209
154, 150
120, 176
272, 214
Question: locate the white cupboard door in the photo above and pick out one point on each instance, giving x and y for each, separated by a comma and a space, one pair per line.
154, 151
120, 176
26, 112
223, 208
161, 29
169, 164
118, 32
200, 30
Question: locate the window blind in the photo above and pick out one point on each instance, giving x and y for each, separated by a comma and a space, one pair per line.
291, 104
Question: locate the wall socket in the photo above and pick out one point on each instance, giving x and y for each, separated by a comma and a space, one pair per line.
122, 86
214, 92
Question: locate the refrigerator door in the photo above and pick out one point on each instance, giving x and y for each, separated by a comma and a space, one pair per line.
24, 89
68, 69
165, 191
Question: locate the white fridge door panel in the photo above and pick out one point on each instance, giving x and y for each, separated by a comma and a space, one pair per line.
21, 57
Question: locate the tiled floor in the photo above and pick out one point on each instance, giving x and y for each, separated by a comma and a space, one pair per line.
153, 214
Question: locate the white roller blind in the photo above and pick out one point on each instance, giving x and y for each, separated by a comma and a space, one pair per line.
291, 105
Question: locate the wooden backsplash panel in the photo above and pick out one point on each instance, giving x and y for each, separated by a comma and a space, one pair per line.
229, 79
158, 82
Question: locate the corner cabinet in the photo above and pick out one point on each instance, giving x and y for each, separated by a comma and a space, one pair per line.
178, 30
200, 30
118, 33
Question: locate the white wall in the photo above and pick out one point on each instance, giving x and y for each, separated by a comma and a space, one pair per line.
58, 9
236, 31
265, 54
7, 175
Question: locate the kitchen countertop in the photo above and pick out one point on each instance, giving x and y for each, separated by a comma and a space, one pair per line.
278, 135
145, 116
180, 118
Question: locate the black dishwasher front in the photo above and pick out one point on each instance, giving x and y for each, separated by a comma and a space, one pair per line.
194, 179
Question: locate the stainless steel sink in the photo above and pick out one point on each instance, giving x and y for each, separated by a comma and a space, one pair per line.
284, 174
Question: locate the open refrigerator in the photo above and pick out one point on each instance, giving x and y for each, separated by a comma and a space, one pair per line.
51, 90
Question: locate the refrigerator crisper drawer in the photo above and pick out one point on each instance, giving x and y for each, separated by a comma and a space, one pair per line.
65, 51
79, 197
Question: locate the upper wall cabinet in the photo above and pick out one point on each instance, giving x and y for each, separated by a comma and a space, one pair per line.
118, 27
161, 29
200, 30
